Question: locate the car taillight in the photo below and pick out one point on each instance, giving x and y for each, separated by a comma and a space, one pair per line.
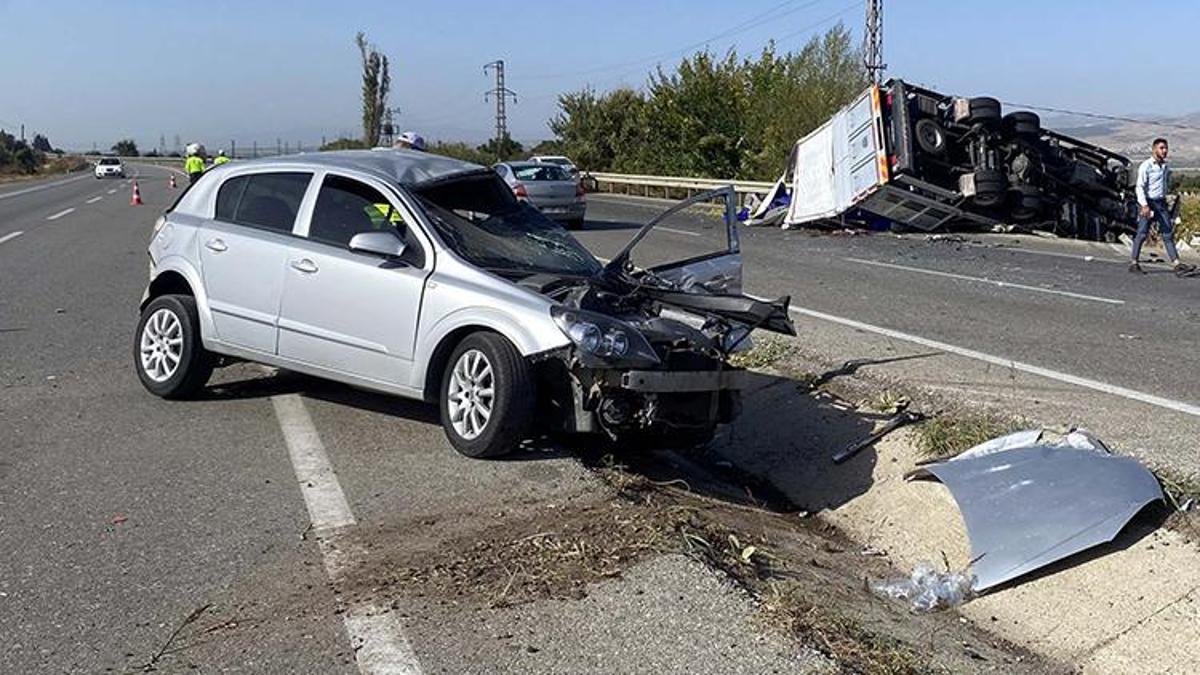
520, 190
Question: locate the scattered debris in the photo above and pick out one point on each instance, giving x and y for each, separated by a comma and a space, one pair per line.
1028, 501
1123, 336
954, 238
119, 518
926, 589
905, 417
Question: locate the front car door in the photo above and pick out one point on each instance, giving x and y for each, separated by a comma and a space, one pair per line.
243, 250
693, 245
349, 312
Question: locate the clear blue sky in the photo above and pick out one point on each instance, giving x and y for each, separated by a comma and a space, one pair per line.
85, 72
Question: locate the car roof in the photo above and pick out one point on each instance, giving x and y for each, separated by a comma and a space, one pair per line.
407, 167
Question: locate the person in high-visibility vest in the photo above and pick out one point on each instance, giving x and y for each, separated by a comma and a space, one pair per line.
220, 158
194, 164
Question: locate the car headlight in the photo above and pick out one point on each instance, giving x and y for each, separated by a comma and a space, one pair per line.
603, 340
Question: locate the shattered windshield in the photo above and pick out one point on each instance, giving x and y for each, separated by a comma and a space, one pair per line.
480, 220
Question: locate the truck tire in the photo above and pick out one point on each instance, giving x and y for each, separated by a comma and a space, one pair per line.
1026, 202
1023, 123
984, 109
487, 396
931, 137
990, 186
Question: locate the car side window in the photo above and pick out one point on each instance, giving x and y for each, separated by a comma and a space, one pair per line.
346, 207
228, 197
266, 200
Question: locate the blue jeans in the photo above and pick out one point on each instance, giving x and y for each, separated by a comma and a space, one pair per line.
1160, 215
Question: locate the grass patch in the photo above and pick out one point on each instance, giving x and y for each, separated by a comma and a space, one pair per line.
853, 648
766, 352
1190, 214
947, 435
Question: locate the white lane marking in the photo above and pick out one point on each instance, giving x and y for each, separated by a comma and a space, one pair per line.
11, 235
1086, 383
319, 484
112, 191
47, 186
380, 646
93, 200
984, 280
673, 230
60, 214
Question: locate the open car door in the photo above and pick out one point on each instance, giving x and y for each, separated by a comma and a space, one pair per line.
689, 257
691, 247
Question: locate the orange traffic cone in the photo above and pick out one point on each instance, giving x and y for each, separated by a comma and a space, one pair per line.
172, 181
136, 199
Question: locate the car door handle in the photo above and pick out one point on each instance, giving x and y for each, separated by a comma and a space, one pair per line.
305, 265
216, 245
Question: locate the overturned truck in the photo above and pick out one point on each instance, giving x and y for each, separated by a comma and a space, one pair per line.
907, 157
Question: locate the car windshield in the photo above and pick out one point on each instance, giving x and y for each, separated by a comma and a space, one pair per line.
110, 161
480, 220
540, 172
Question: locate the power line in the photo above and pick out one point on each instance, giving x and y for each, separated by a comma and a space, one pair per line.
753, 22
1099, 116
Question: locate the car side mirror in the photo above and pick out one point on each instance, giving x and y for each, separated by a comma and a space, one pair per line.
386, 244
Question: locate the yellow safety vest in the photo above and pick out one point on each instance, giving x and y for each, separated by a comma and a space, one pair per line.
221, 159
193, 164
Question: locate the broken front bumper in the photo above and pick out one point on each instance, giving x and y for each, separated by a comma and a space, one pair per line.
665, 381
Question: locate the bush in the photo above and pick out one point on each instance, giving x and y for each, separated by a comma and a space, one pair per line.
344, 144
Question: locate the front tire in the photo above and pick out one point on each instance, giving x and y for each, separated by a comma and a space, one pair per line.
487, 397
170, 359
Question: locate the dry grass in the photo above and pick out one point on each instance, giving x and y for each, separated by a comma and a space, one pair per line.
766, 353
949, 434
1190, 214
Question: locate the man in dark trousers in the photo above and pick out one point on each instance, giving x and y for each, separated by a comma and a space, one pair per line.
1153, 183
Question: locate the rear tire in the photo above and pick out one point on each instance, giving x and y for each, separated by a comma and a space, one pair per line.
931, 137
170, 358
1023, 123
984, 109
1027, 202
487, 397
990, 185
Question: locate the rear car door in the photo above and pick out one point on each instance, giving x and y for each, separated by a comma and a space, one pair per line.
243, 250
351, 312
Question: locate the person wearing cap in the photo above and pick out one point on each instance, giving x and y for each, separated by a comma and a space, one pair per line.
220, 159
409, 140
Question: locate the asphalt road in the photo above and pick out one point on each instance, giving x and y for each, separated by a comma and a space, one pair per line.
143, 532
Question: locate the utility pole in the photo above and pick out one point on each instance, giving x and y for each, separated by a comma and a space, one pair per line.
389, 127
501, 93
873, 41
22, 133
162, 144
178, 147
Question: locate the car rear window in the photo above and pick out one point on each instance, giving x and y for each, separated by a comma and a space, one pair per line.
542, 172
266, 200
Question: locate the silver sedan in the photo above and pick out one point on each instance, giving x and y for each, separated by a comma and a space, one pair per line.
425, 277
549, 187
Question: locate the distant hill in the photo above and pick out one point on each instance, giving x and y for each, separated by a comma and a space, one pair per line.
1132, 139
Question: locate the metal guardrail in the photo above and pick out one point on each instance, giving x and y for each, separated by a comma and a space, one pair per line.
671, 187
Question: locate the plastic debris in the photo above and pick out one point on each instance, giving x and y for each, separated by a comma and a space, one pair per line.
926, 589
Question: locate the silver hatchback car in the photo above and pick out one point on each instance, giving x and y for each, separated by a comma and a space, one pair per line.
422, 276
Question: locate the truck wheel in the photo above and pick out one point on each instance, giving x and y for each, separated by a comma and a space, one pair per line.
170, 358
931, 137
1023, 123
984, 109
990, 186
1026, 202
487, 397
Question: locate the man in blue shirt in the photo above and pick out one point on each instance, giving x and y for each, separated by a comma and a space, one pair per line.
1153, 183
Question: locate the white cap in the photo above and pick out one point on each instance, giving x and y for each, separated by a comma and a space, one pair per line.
410, 139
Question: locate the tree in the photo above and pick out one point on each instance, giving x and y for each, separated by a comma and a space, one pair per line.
344, 144
125, 148
505, 149
41, 144
463, 151
376, 83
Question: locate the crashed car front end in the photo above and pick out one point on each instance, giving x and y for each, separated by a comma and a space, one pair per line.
650, 347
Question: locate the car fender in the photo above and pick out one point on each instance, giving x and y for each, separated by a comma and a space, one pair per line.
531, 332
181, 266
